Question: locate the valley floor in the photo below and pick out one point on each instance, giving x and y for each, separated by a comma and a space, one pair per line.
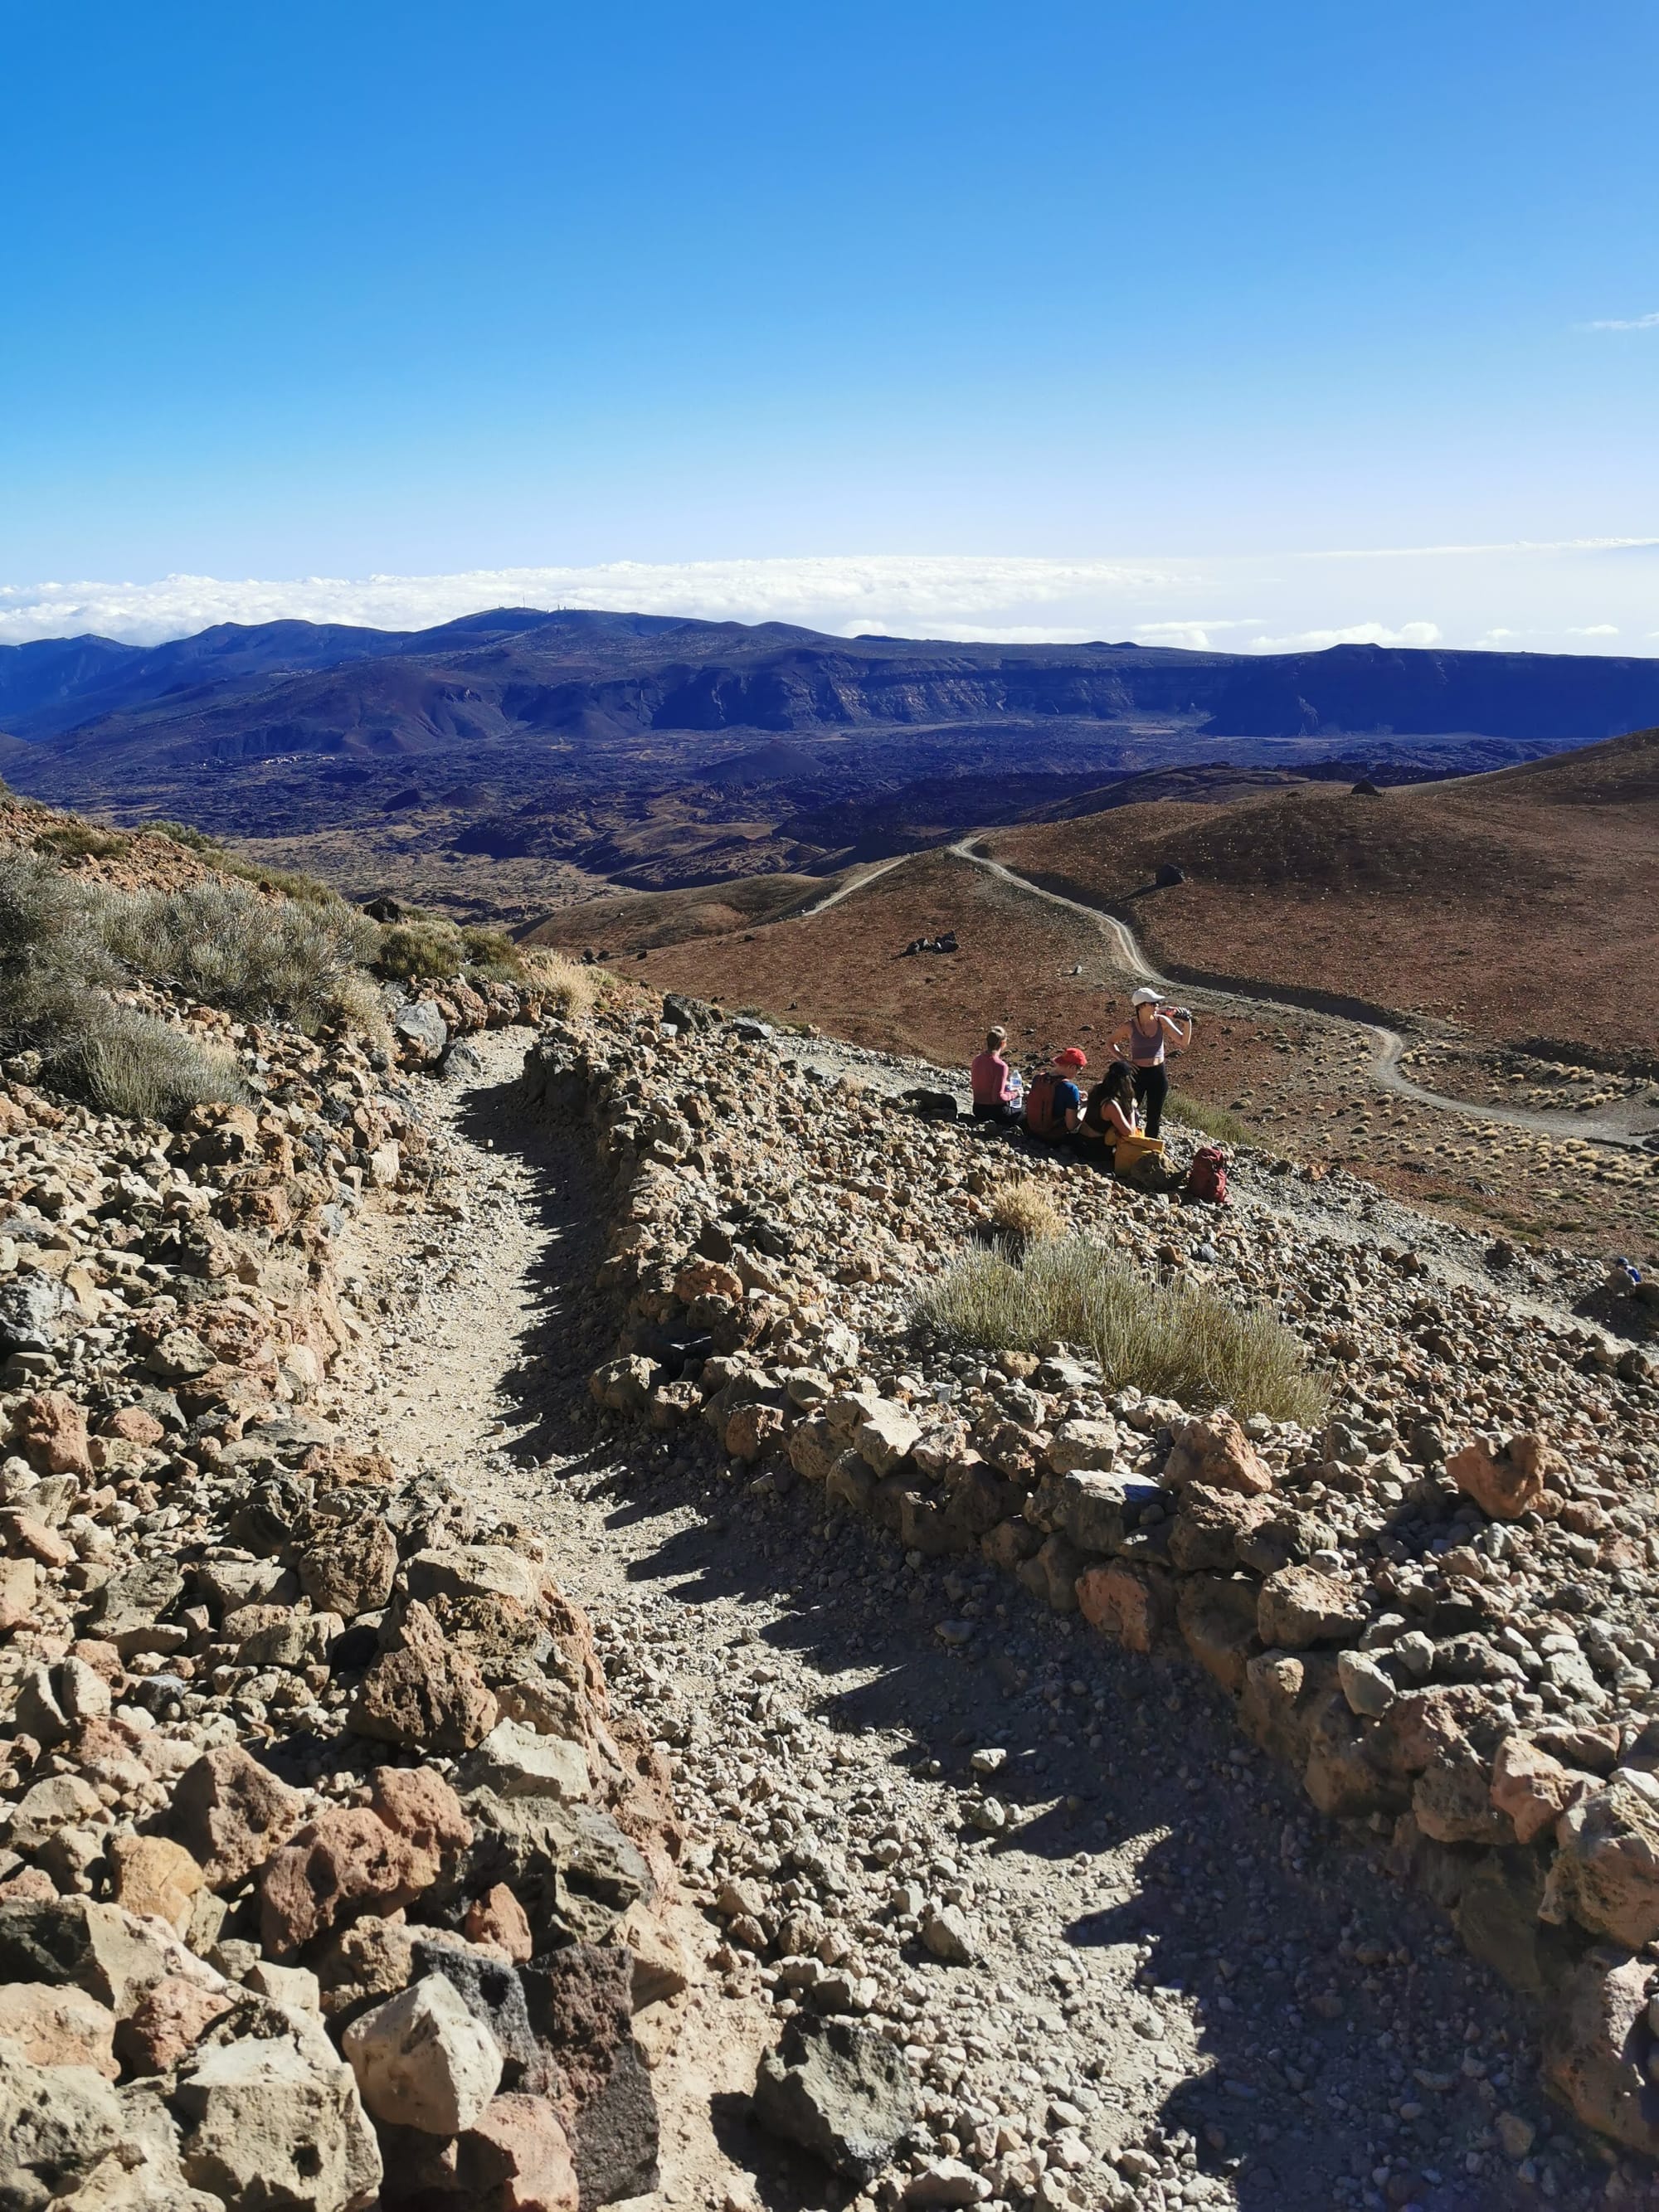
1127, 2022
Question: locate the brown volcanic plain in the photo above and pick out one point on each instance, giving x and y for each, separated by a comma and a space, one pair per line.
1525, 898
1517, 906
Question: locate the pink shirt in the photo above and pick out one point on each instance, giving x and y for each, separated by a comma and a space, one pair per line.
988, 1074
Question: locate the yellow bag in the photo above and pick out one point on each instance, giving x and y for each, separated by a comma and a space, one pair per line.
1132, 1148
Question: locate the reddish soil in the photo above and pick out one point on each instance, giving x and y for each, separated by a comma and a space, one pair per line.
1515, 906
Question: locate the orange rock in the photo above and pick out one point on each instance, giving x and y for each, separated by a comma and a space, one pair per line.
51, 1432
154, 1875
1532, 1788
500, 1918
1132, 1603
1507, 1483
519, 2151
1216, 1451
167, 2020
134, 1426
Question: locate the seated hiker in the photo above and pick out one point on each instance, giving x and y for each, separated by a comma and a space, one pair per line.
1054, 1104
996, 1087
1109, 1114
1152, 1031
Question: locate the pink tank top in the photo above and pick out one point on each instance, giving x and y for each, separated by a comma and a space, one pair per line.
1145, 1051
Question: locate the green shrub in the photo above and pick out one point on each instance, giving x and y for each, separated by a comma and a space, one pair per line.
428, 950
1177, 1342
1218, 1121
76, 840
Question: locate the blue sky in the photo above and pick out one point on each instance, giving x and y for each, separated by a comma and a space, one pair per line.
422, 291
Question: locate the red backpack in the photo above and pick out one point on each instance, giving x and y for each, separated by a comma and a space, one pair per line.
1042, 1117
1206, 1178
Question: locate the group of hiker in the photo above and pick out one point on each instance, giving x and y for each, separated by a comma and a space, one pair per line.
1116, 1122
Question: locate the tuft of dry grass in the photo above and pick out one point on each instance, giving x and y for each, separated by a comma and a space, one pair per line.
1023, 1212
1174, 1342
571, 987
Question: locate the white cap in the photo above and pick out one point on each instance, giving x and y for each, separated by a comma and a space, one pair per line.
1143, 997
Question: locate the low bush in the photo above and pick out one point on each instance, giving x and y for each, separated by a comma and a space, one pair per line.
1023, 1212
1218, 1122
75, 840
55, 966
1172, 1342
133, 1064
571, 987
260, 957
428, 950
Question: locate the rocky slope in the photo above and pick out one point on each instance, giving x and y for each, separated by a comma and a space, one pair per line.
1436, 1611
328, 1876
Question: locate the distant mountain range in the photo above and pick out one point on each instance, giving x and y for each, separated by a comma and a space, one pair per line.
516, 731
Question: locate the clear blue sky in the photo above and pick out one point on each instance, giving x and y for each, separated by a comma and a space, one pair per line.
355, 287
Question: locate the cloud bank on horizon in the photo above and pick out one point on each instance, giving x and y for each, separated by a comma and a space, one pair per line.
1588, 595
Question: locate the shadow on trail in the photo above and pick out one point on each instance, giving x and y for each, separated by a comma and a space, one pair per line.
1329, 1997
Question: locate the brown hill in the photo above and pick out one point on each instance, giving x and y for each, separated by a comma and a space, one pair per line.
1517, 906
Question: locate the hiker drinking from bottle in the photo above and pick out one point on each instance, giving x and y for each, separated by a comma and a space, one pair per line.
1152, 1031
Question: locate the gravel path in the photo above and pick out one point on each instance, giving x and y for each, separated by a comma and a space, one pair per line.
1182, 1988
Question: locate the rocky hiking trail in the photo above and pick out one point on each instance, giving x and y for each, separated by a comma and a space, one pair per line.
1124, 1960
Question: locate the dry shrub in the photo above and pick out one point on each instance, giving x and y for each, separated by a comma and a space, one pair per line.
265, 959
1023, 1212
1176, 1342
55, 966
571, 987
83, 840
133, 1064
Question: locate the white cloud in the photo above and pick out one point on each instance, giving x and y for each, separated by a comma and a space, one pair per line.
1624, 323
1557, 597
891, 591
1371, 633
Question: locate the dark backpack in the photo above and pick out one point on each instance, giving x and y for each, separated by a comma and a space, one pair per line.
1041, 1116
1206, 1178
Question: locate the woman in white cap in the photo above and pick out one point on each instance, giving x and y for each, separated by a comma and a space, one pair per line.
1152, 1031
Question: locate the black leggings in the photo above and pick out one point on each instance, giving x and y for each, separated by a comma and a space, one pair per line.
1152, 1089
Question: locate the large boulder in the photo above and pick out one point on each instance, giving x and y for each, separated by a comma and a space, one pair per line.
57, 2123
582, 2003
230, 1813
1217, 1452
1598, 2046
1606, 1870
424, 1692
269, 2120
421, 2061
1507, 1480
842, 2091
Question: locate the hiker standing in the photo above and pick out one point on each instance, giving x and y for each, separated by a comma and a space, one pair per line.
1152, 1031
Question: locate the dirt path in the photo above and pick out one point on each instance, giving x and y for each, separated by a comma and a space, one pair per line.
1180, 1981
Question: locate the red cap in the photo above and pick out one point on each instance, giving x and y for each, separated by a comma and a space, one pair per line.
1071, 1058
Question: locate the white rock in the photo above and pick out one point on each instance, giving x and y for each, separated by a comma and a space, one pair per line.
422, 2060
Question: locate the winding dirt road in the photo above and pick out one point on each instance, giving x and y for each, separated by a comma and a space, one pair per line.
1385, 1070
